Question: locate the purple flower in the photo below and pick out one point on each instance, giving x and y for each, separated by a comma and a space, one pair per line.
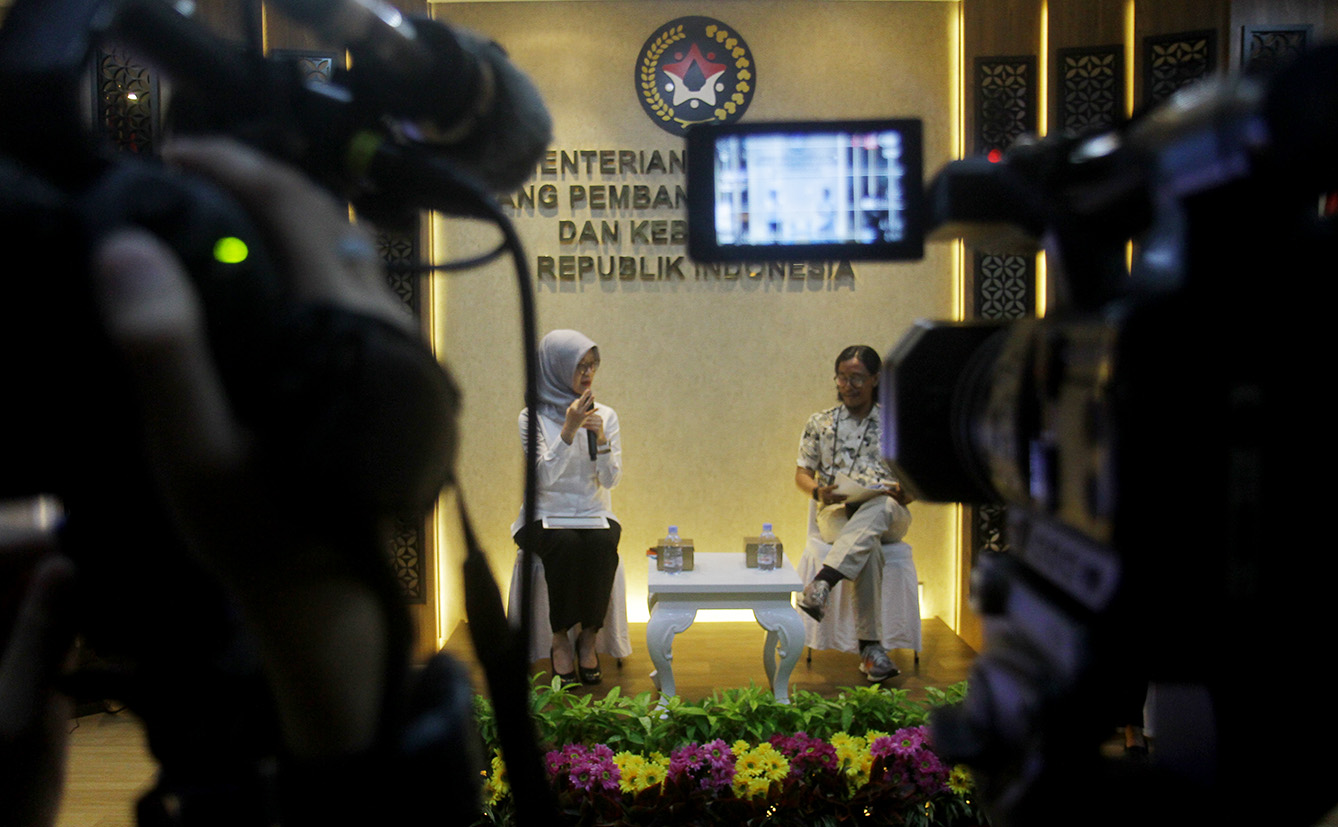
721, 760
930, 773
711, 766
591, 770
805, 753
609, 776
897, 772
574, 753
881, 747
718, 752
604, 774
581, 776
907, 742
684, 760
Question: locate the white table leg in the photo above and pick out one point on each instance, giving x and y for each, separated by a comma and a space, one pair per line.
785, 640
666, 620
769, 656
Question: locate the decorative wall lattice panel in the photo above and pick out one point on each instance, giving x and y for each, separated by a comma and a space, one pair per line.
1173, 61
126, 102
1005, 92
313, 65
1005, 286
408, 560
1002, 284
400, 251
408, 553
1091, 89
1264, 48
988, 530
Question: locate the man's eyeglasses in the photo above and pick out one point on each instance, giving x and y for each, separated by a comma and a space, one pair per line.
855, 382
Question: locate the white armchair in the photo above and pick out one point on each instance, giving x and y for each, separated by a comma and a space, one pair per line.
900, 604
613, 639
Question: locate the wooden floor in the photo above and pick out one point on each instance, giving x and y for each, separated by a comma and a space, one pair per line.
108, 769
720, 655
110, 766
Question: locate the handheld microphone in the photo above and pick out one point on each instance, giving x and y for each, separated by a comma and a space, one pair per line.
590, 438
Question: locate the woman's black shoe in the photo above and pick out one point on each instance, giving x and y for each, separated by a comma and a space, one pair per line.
593, 675
568, 679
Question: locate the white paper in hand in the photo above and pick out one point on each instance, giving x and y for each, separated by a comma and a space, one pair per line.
853, 491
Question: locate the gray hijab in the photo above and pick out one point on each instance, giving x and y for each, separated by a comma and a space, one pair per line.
559, 353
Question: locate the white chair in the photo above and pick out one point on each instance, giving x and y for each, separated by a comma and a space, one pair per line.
612, 640
900, 604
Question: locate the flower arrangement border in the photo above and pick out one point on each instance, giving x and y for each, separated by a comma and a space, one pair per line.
740, 758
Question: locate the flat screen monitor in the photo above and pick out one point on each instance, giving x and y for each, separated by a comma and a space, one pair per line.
806, 190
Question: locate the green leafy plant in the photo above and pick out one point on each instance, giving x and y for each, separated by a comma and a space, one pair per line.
738, 757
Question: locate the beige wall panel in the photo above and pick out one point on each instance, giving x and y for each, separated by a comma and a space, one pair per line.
1154, 17
1086, 23
1002, 27
712, 379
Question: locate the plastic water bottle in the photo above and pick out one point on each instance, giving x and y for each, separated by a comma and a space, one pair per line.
766, 549
672, 552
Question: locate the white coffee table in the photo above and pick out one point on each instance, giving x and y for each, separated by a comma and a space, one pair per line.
721, 580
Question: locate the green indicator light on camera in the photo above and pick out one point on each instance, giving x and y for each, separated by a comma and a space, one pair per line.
230, 250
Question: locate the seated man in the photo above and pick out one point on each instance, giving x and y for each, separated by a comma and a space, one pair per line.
847, 439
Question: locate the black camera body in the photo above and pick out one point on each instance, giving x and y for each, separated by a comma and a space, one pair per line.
1148, 438
303, 377
353, 418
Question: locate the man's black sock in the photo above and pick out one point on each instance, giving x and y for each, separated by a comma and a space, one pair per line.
830, 575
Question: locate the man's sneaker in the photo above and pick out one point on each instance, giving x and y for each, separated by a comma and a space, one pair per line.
814, 598
875, 664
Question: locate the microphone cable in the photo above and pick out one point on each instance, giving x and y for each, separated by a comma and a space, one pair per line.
502, 648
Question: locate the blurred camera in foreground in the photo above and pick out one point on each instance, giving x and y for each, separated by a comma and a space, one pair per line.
1147, 438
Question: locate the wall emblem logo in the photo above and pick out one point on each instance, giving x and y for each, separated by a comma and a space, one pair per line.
694, 70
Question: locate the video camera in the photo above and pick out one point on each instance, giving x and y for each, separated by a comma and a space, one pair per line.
428, 118
1145, 437
1142, 435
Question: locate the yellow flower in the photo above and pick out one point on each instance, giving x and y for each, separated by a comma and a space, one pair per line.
758, 788
852, 754
748, 762
741, 784
772, 765
497, 786
959, 779
756, 767
654, 773
638, 772
630, 767
750, 771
